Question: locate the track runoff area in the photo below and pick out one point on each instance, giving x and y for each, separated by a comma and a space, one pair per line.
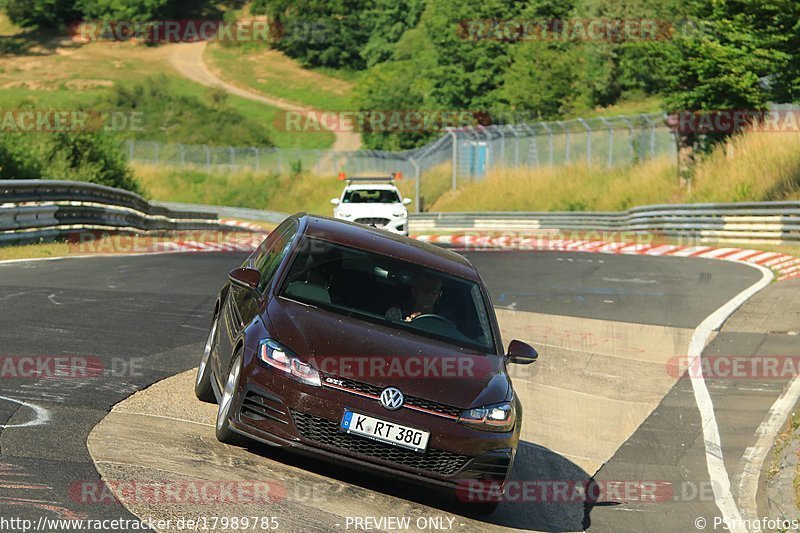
627, 425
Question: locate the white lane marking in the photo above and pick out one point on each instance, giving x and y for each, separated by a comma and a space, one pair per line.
42, 414
754, 457
716, 465
632, 280
13, 295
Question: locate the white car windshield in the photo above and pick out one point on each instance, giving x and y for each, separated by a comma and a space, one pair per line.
371, 196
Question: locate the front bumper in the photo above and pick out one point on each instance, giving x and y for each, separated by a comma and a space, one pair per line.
397, 225
288, 414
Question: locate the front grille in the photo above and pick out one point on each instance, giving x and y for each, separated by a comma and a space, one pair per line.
326, 432
409, 400
380, 222
256, 406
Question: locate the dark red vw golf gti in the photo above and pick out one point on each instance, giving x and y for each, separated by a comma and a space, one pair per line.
349, 342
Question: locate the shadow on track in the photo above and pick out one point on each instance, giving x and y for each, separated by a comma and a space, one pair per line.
533, 463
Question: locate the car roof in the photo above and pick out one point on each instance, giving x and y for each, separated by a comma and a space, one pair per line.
383, 242
371, 186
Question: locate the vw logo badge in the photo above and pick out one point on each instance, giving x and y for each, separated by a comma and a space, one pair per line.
392, 398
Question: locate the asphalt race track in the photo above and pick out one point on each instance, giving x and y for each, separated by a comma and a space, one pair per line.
142, 319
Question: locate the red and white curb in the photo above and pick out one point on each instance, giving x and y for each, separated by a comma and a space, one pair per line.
787, 266
235, 244
240, 224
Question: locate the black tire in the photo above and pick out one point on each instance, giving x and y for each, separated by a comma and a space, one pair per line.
227, 402
202, 384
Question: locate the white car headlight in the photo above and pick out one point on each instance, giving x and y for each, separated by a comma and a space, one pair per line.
281, 358
498, 417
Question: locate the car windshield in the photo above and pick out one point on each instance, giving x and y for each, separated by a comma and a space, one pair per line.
392, 292
371, 196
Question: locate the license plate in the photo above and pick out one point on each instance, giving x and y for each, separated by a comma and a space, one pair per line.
381, 430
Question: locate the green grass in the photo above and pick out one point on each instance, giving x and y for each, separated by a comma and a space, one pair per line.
35, 251
351, 76
7, 27
755, 167
271, 73
81, 75
574, 187
780, 444
628, 107
56, 99
287, 193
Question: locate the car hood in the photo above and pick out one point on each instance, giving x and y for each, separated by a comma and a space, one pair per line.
382, 356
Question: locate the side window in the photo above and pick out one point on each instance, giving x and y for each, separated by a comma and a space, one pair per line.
269, 243
268, 262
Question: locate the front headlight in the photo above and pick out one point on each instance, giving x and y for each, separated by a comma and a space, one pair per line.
401, 214
498, 417
345, 214
281, 358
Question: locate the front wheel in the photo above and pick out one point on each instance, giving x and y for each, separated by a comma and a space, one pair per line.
224, 432
202, 384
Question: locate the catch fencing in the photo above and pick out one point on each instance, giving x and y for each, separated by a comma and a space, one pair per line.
471, 153
601, 141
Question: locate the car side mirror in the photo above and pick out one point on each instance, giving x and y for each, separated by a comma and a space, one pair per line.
245, 277
407, 201
521, 353
335, 201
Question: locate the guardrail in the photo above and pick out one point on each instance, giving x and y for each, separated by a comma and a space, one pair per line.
243, 213
752, 222
34, 210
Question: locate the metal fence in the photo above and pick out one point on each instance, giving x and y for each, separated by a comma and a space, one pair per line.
471, 153
411, 163
267, 160
599, 141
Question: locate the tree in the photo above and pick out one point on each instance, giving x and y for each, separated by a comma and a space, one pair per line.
18, 157
41, 13
389, 20
735, 55
93, 156
546, 80
126, 9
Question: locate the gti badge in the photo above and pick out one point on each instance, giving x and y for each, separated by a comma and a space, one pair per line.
392, 398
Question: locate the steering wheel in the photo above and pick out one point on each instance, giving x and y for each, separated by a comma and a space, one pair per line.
434, 316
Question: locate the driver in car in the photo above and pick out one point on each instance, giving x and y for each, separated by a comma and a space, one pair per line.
426, 289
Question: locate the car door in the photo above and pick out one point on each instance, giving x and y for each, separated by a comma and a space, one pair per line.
241, 305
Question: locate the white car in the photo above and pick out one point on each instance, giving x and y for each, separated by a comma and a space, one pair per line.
373, 202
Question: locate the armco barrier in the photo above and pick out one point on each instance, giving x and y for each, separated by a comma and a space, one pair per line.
33, 210
750, 222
